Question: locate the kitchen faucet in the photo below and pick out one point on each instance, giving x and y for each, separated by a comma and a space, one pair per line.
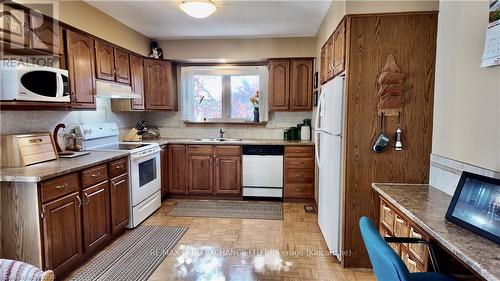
221, 133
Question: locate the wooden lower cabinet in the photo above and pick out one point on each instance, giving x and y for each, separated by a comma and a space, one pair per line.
177, 169
62, 233
228, 175
119, 203
164, 170
299, 172
96, 216
200, 174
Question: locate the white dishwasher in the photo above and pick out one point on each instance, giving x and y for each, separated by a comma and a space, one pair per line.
263, 171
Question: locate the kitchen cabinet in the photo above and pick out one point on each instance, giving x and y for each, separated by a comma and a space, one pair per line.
330, 49
301, 85
339, 49
46, 34
200, 169
290, 84
119, 203
137, 79
62, 236
279, 83
159, 85
299, 172
96, 216
112, 64
177, 169
81, 69
13, 27
228, 170
164, 170
323, 65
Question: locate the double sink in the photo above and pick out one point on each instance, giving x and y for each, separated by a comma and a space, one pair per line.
216, 140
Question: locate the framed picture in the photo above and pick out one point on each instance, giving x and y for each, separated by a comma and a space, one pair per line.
315, 80
476, 205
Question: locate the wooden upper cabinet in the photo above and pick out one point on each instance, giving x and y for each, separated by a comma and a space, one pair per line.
279, 85
122, 66
96, 216
46, 35
62, 233
159, 85
323, 65
137, 79
330, 49
301, 87
119, 203
339, 49
13, 27
105, 61
81, 70
177, 168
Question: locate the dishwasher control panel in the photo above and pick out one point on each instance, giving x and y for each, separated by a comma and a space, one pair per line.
263, 149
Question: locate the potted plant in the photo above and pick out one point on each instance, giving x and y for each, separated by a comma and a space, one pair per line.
255, 102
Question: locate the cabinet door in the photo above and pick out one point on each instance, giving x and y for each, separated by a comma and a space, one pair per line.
159, 85
137, 79
13, 27
200, 174
279, 82
329, 58
164, 170
301, 85
176, 164
119, 203
46, 34
105, 61
339, 49
62, 233
96, 216
323, 66
228, 175
81, 70
122, 66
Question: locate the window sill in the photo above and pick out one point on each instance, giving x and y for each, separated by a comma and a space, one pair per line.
219, 123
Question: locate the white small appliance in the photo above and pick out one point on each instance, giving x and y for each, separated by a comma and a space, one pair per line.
144, 167
328, 133
29, 82
263, 171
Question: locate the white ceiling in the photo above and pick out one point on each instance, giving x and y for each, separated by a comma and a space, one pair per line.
234, 19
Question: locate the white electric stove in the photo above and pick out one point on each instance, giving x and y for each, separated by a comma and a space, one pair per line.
144, 167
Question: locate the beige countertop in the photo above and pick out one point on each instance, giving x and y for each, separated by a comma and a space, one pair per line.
427, 206
163, 141
62, 166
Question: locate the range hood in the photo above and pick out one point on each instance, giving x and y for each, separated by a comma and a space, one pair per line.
114, 90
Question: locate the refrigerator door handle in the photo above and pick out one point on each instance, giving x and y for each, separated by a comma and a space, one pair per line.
317, 132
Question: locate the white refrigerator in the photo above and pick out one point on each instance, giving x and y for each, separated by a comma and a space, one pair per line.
328, 133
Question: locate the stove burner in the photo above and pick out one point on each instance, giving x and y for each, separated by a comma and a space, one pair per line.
122, 146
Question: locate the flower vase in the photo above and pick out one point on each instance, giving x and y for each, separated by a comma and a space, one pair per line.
256, 114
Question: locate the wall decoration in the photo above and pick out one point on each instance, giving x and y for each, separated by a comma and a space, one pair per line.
315, 80
315, 97
491, 53
156, 51
390, 89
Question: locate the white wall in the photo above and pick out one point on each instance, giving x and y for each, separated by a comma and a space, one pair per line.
467, 97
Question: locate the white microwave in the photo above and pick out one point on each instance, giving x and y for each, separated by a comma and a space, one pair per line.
29, 82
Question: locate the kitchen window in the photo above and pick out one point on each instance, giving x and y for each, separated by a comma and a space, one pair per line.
222, 93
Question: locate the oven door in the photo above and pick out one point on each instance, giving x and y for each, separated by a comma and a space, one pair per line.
145, 176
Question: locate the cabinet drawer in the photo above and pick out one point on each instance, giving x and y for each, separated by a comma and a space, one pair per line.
418, 250
387, 216
294, 190
94, 175
299, 151
299, 163
58, 187
201, 149
385, 233
299, 176
228, 150
34, 140
401, 228
410, 262
118, 167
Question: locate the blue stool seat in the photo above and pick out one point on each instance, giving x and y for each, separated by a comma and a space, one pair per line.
387, 265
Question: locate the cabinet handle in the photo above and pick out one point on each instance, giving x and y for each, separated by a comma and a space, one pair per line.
62, 186
36, 140
86, 197
42, 213
119, 167
386, 208
96, 175
398, 220
79, 201
415, 234
412, 262
217, 162
299, 189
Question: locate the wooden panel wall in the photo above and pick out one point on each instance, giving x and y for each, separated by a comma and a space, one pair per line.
411, 38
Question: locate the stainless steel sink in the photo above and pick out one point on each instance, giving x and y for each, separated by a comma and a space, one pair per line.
217, 140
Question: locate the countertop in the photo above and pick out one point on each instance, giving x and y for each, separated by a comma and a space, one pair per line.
427, 206
163, 141
62, 166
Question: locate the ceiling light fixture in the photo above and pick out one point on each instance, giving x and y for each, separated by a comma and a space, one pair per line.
198, 8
